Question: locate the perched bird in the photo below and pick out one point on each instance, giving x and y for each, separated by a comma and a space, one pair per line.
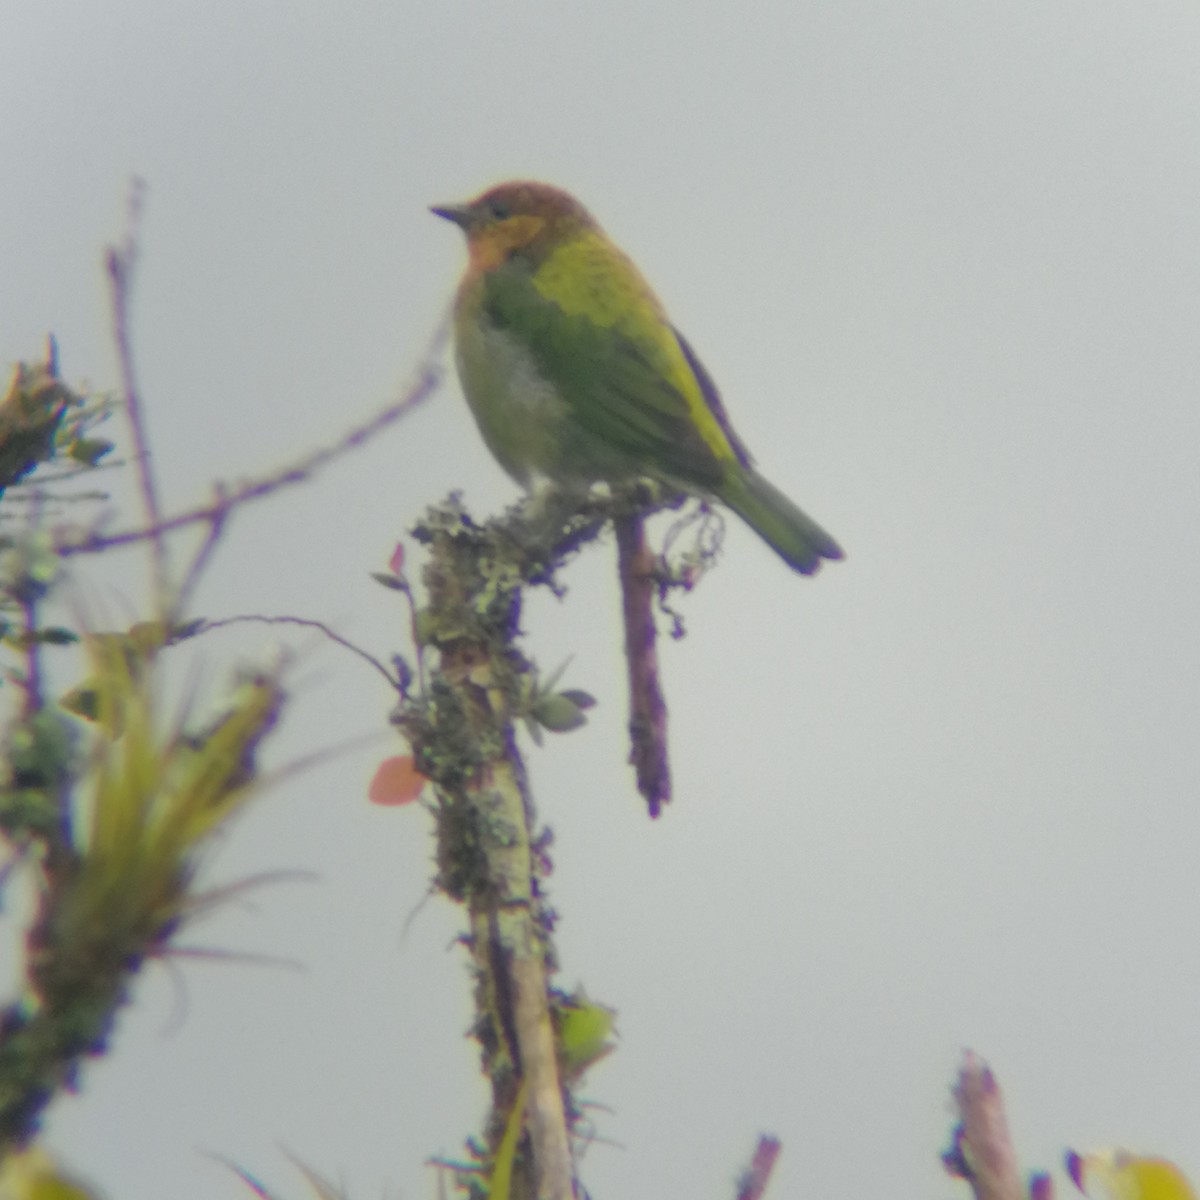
576, 375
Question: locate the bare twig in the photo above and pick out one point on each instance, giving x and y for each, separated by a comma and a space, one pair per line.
121, 261
429, 377
414, 632
304, 623
647, 708
982, 1152
195, 570
753, 1184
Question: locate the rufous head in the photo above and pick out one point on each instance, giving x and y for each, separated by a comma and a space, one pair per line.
513, 217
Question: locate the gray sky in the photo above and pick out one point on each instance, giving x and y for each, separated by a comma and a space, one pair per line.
942, 260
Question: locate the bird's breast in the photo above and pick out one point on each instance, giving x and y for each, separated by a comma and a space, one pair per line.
520, 413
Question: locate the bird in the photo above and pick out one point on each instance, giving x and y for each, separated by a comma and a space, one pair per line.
575, 374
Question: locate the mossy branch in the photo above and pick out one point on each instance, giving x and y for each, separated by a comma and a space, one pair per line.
489, 847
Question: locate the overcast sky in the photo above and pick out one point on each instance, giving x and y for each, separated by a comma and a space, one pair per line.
942, 259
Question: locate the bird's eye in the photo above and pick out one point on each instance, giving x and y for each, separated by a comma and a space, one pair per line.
499, 210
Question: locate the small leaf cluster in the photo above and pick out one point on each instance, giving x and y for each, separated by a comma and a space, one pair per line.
41, 419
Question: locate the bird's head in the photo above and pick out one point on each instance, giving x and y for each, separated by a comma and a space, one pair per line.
516, 218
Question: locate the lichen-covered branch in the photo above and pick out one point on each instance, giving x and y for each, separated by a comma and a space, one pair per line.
490, 853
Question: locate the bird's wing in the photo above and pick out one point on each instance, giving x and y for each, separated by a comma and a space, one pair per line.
628, 378
713, 398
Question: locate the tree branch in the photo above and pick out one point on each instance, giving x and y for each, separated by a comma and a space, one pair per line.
982, 1151
121, 261
647, 707
489, 850
229, 499
753, 1184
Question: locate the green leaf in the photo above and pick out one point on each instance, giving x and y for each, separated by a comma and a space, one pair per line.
89, 451
55, 635
389, 581
584, 1030
83, 702
557, 712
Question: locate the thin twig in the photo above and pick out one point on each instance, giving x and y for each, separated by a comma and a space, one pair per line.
428, 380
647, 707
200, 559
22, 489
753, 1184
201, 904
982, 1152
414, 632
121, 261
248, 958
304, 623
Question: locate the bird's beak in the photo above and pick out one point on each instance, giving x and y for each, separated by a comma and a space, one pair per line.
457, 214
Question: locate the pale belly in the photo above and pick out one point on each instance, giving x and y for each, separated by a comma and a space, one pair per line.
528, 426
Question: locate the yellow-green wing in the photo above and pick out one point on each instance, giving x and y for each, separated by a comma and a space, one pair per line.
629, 381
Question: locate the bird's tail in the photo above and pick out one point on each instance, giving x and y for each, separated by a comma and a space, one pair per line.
794, 536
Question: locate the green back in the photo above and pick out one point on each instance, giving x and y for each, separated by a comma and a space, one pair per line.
620, 380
